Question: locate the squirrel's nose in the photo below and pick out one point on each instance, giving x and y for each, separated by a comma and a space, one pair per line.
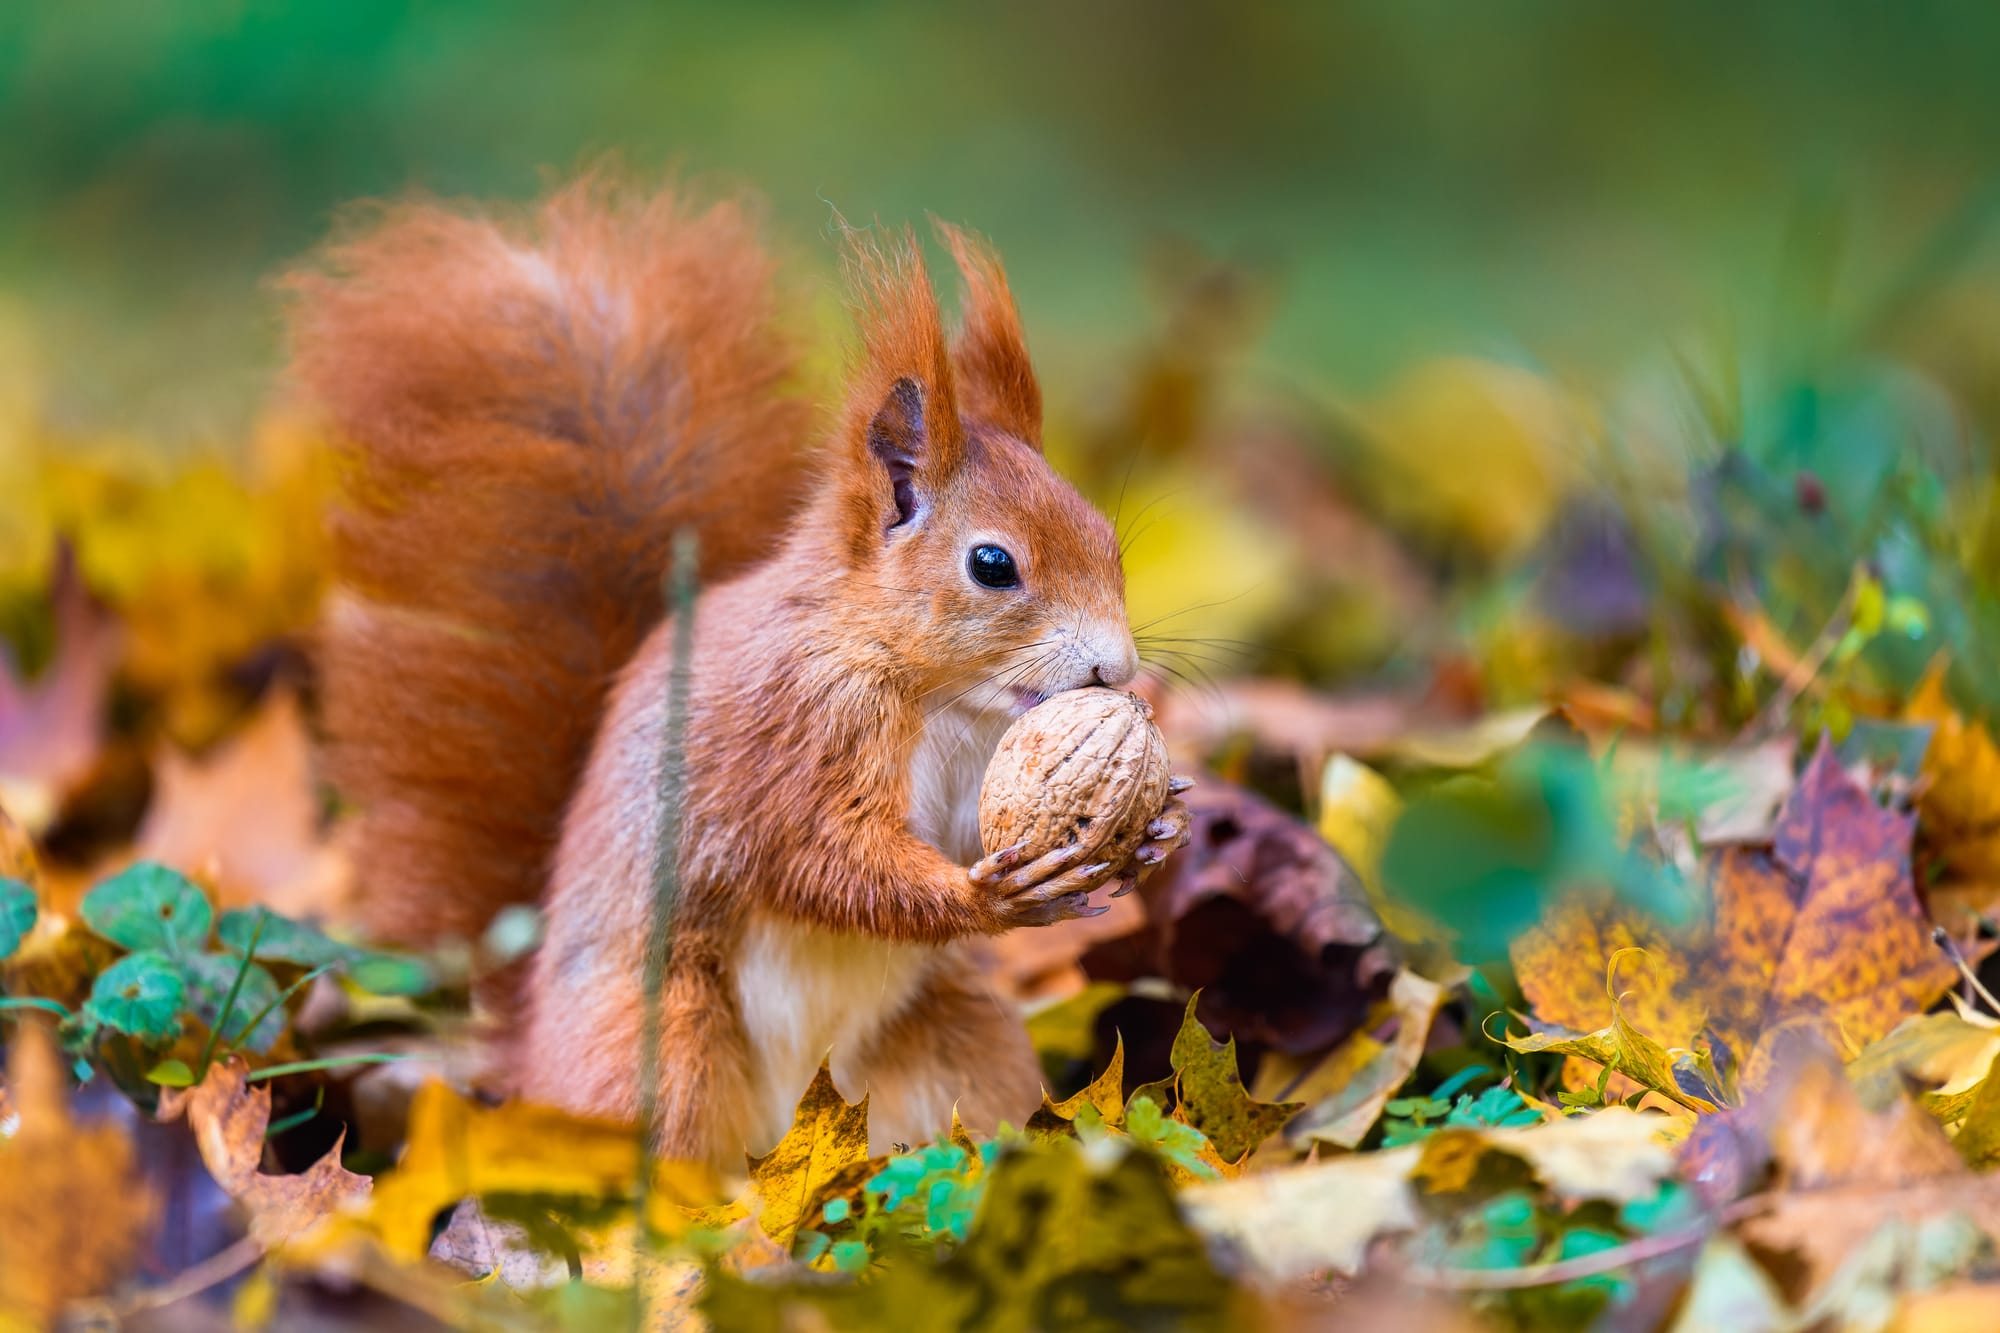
1116, 668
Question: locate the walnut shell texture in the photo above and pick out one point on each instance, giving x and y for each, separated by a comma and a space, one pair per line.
1085, 765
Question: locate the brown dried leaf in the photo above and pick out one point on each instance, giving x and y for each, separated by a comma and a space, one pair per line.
52, 729
228, 1117
246, 817
1843, 1172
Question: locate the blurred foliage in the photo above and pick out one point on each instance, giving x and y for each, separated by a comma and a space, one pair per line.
1589, 406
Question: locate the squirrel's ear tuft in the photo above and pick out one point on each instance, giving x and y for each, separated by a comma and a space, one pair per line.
990, 355
903, 392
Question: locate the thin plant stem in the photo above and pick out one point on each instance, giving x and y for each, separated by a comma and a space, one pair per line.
34, 1002
334, 1062
243, 1032
235, 989
666, 871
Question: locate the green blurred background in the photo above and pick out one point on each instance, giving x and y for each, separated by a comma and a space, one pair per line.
1542, 339
1566, 179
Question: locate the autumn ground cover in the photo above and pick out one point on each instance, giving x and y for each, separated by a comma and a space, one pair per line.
1590, 918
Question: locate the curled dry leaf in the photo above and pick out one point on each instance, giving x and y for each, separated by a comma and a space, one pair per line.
229, 1117
1265, 919
72, 1211
1344, 1093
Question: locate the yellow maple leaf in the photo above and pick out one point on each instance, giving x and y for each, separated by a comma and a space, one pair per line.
459, 1149
1209, 1092
828, 1136
1105, 1093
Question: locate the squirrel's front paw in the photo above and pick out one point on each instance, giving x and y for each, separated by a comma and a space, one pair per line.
1168, 832
1048, 889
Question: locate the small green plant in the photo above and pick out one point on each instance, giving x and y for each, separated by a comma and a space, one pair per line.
1450, 1106
234, 976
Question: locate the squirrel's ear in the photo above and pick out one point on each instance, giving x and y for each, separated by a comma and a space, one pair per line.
909, 423
896, 439
995, 378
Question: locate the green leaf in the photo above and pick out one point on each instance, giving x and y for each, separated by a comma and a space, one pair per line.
171, 1074
390, 974
141, 995
150, 906
288, 941
1179, 1143
17, 914
1211, 1093
283, 940
210, 975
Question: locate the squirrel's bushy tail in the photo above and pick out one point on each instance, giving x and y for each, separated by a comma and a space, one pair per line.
530, 408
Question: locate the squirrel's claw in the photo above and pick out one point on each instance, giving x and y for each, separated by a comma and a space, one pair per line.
992, 867
1179, 783
1169, 831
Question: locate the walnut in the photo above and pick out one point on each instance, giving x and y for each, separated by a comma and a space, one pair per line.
1085, 765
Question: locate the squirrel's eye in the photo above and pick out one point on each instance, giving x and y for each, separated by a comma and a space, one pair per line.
992, 567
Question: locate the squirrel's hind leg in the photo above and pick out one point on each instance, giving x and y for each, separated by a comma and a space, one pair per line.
957, 1043
582, 1054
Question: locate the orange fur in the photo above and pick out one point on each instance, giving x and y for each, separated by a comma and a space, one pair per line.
846, 689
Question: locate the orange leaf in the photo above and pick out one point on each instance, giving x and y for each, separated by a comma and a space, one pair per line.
1778, 949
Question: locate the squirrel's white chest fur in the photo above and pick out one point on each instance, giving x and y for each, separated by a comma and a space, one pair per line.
805, 992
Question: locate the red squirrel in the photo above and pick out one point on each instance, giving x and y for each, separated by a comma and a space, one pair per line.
531, 407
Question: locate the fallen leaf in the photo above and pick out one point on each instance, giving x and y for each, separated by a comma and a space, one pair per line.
1628, 1052
52, 729
1318, 1217
72, 1210
1730, 1291
1263, 918
1775, 951
1844, 1173
1959, 807
229, 1117
246, 817
1978, 1140
828, 1135
1209, 1093
459, 1149
1357, 810
1344, 1093
1932, 1053
1068, 1236
1105, 1094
